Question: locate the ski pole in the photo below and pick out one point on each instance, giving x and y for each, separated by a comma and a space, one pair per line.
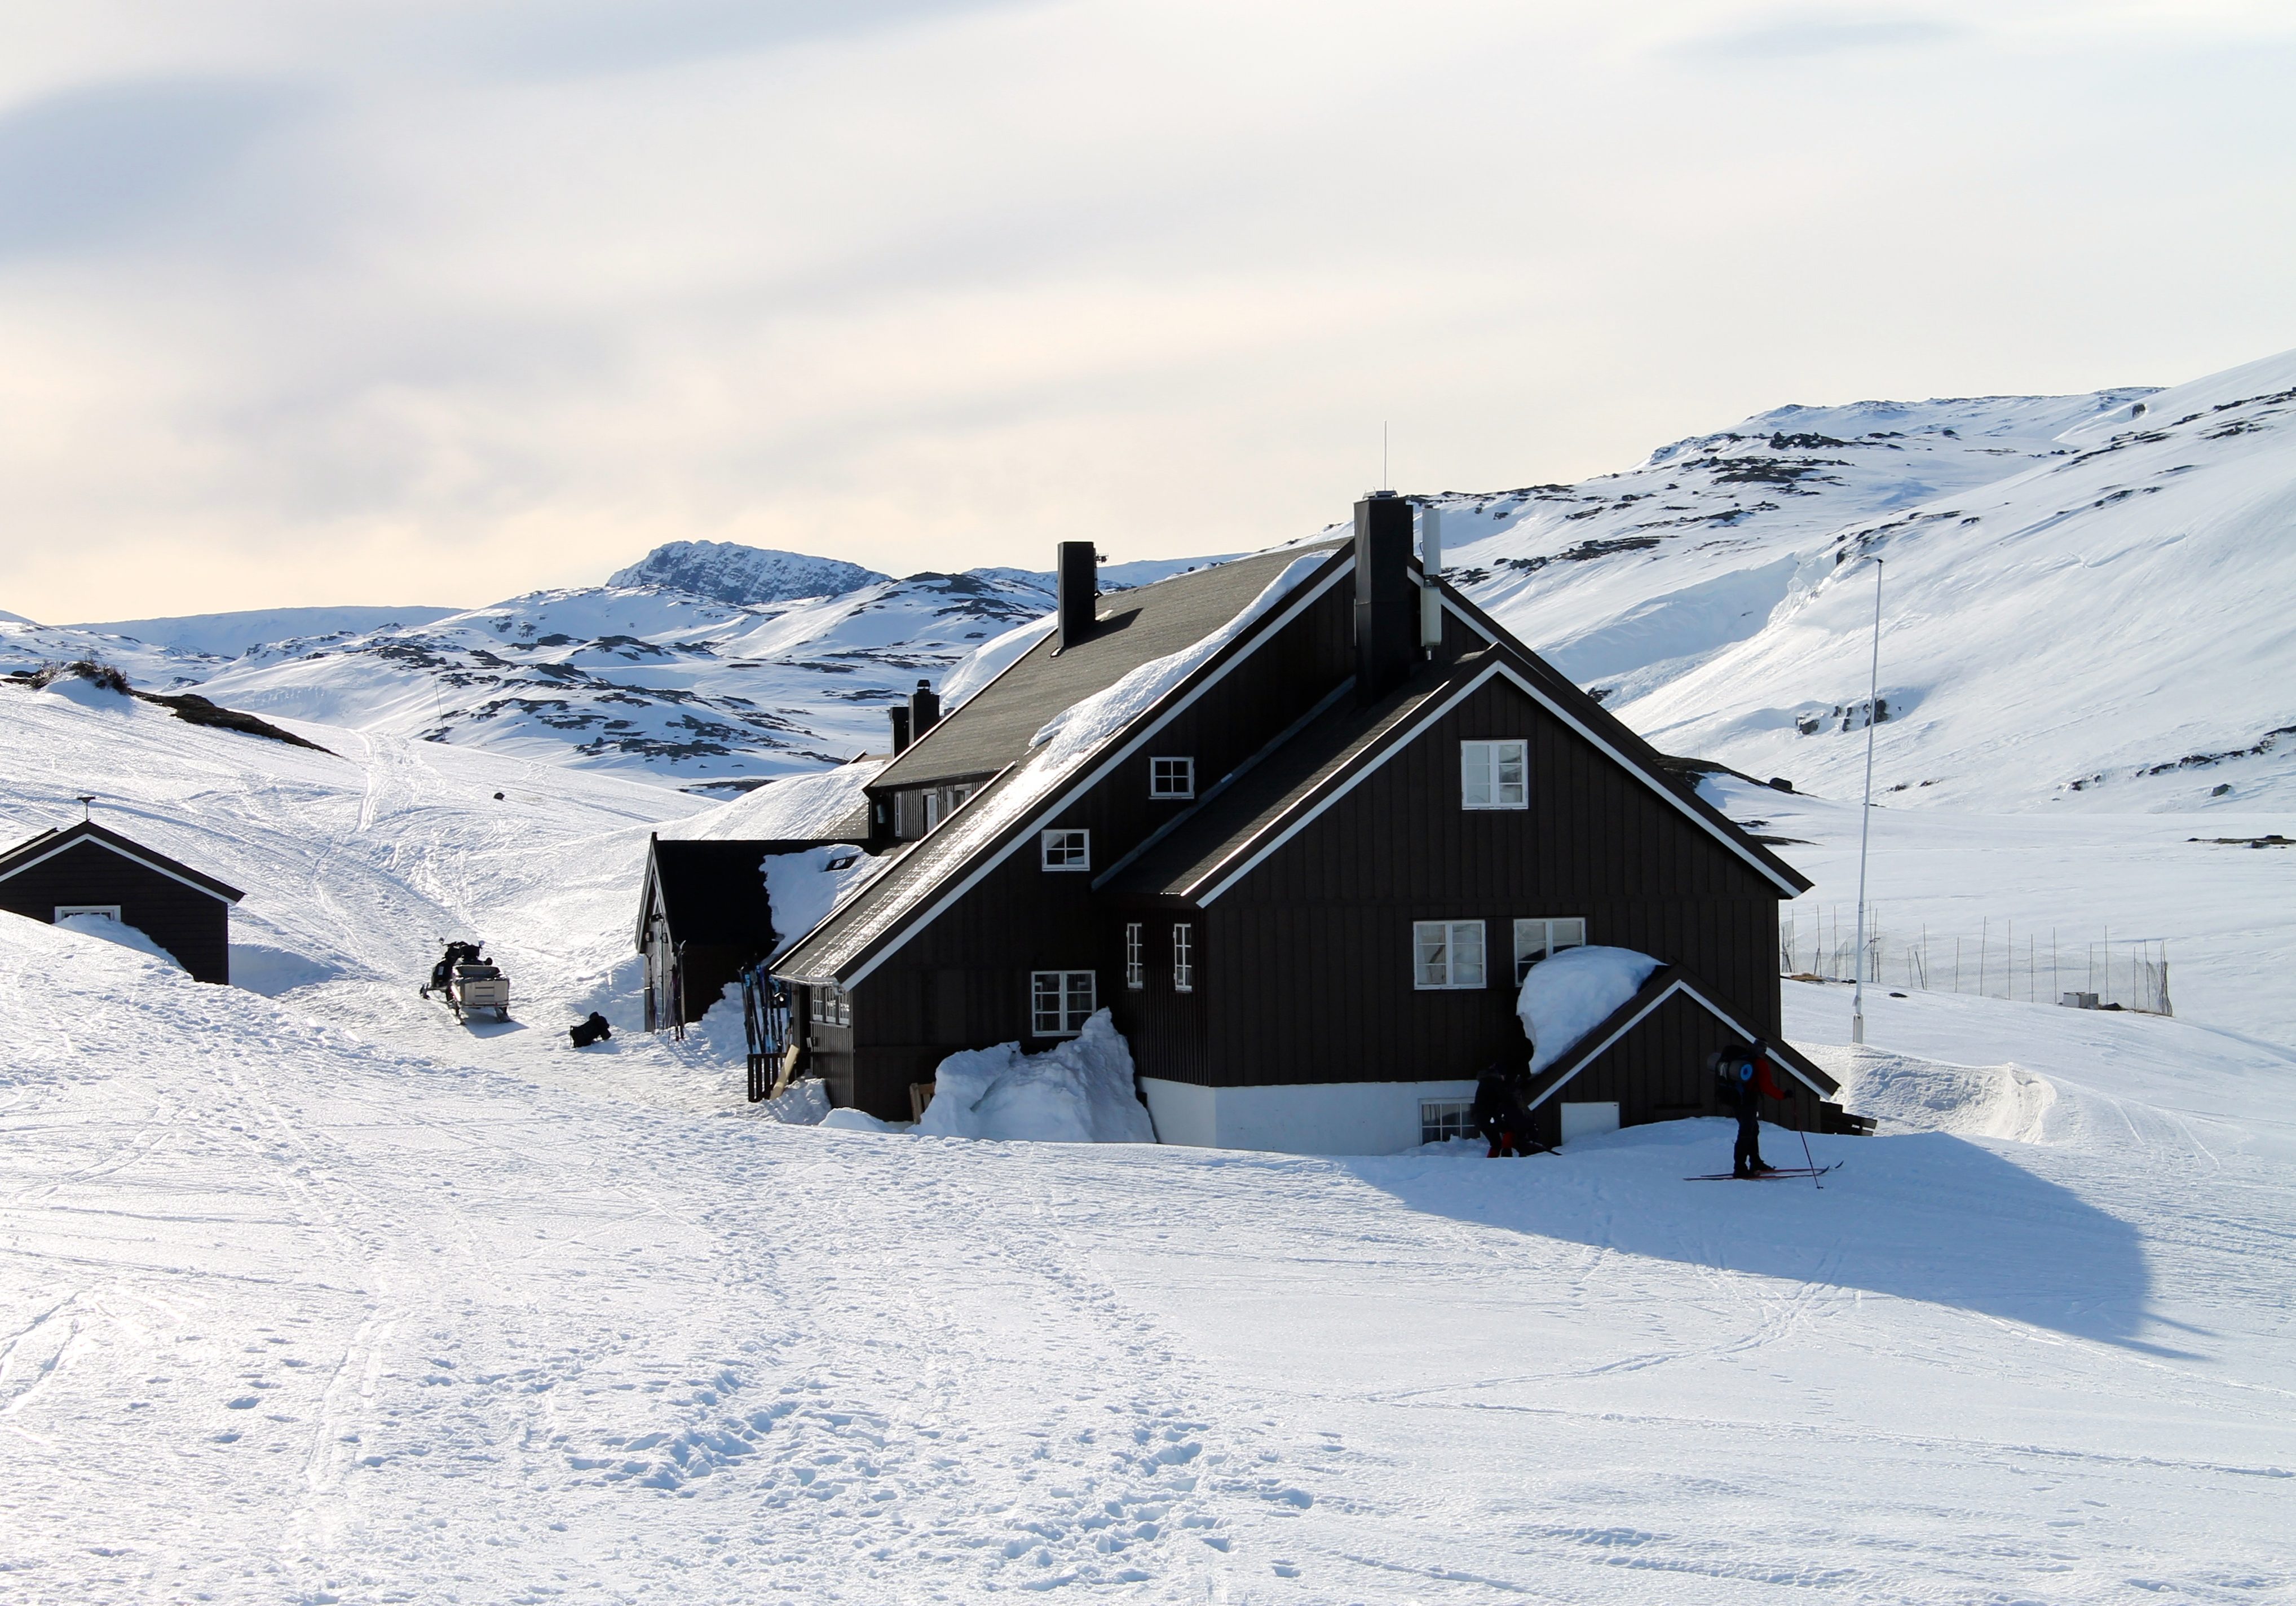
1812, 1164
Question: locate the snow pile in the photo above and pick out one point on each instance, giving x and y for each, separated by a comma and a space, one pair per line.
1079, 1093
805, 1103
1905, 1093
1565, 997
801, 807
105, 926
853, 1120
89, 693
806, 885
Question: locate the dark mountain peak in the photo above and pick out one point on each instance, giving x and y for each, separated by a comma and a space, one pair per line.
744, 575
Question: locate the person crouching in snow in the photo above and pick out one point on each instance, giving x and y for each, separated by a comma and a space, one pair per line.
1498, 1111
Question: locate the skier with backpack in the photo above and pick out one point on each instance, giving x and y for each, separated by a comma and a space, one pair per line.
1745, 1077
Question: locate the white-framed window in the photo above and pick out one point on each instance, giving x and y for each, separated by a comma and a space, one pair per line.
1442, 1119
1183, 959
1495, 774
1171, 777
1446, 955
832, 1006
1066, 849
1535, 940
1136, 956
65, 911
933, 809
1060, 1002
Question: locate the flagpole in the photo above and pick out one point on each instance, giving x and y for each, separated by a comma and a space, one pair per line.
1866, 815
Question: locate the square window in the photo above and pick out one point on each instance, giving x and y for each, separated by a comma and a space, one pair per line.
1442, 1119
1535, 940
1171, 777
1135, 958
1495, 774
1183, 959
1066, 849
1060, 1002
1446, 955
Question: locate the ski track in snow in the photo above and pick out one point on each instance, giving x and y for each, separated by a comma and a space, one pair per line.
321, 1297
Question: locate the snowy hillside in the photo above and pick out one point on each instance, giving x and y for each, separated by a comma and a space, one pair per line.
2108, 627
1626, 580
648, 679
701, 663
312, 1295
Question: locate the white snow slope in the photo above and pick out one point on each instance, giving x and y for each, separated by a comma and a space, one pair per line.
314, 1296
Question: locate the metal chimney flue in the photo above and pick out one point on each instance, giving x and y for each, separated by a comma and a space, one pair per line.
900, 713
1077, 570
924, 711
1387, 608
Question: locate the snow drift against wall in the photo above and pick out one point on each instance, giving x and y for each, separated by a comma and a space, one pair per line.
1565, 997
1079, 1093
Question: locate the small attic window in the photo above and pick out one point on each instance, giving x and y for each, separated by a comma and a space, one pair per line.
1495, 774
1066, 849
1171, 777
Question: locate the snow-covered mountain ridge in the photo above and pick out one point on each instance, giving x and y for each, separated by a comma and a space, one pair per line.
2079, 607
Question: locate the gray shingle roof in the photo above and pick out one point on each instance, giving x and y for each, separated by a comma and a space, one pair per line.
992, 729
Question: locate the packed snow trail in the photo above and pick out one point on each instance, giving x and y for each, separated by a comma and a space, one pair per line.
318, 1297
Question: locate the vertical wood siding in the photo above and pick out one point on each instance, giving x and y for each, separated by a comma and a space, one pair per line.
190, 924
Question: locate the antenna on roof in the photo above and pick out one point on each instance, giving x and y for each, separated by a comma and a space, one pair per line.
87, 807
1386, 480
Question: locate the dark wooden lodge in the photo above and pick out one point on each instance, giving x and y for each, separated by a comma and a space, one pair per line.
85, 868
1304, 867
703, 917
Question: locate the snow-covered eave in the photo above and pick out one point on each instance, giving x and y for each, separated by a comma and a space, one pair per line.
1121, 745
1665, 983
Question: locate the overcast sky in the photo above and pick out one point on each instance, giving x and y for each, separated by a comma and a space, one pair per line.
409, 302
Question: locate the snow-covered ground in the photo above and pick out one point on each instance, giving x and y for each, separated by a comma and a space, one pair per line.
307, 1294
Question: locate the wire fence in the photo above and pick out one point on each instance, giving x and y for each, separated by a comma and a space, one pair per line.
2000, 960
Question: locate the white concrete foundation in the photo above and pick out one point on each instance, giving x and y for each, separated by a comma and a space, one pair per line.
1589, 1120
1315, 1118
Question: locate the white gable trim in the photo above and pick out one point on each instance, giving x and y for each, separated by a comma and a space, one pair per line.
1682, 805
1679, 985
1203, 893
1024, 828
94, 841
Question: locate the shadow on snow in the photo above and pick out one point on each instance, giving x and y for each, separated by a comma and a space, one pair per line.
1925, 1217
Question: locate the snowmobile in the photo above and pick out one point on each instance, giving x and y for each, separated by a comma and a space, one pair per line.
468, 982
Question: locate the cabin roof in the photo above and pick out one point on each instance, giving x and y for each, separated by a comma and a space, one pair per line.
1244, 818
712, 892
1255, 804
993, 727
48, 844
1669, 981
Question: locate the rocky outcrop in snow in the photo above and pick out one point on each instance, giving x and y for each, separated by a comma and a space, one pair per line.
747, 577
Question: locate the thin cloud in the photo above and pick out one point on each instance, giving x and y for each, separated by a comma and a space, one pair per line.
1785, 38
92, 166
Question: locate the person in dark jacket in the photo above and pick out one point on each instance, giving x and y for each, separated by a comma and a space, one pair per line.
1498, 1111
1749, 1079
593, 1030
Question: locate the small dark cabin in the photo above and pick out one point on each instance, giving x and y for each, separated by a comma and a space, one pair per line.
702, 917
89, 869
1325, 818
